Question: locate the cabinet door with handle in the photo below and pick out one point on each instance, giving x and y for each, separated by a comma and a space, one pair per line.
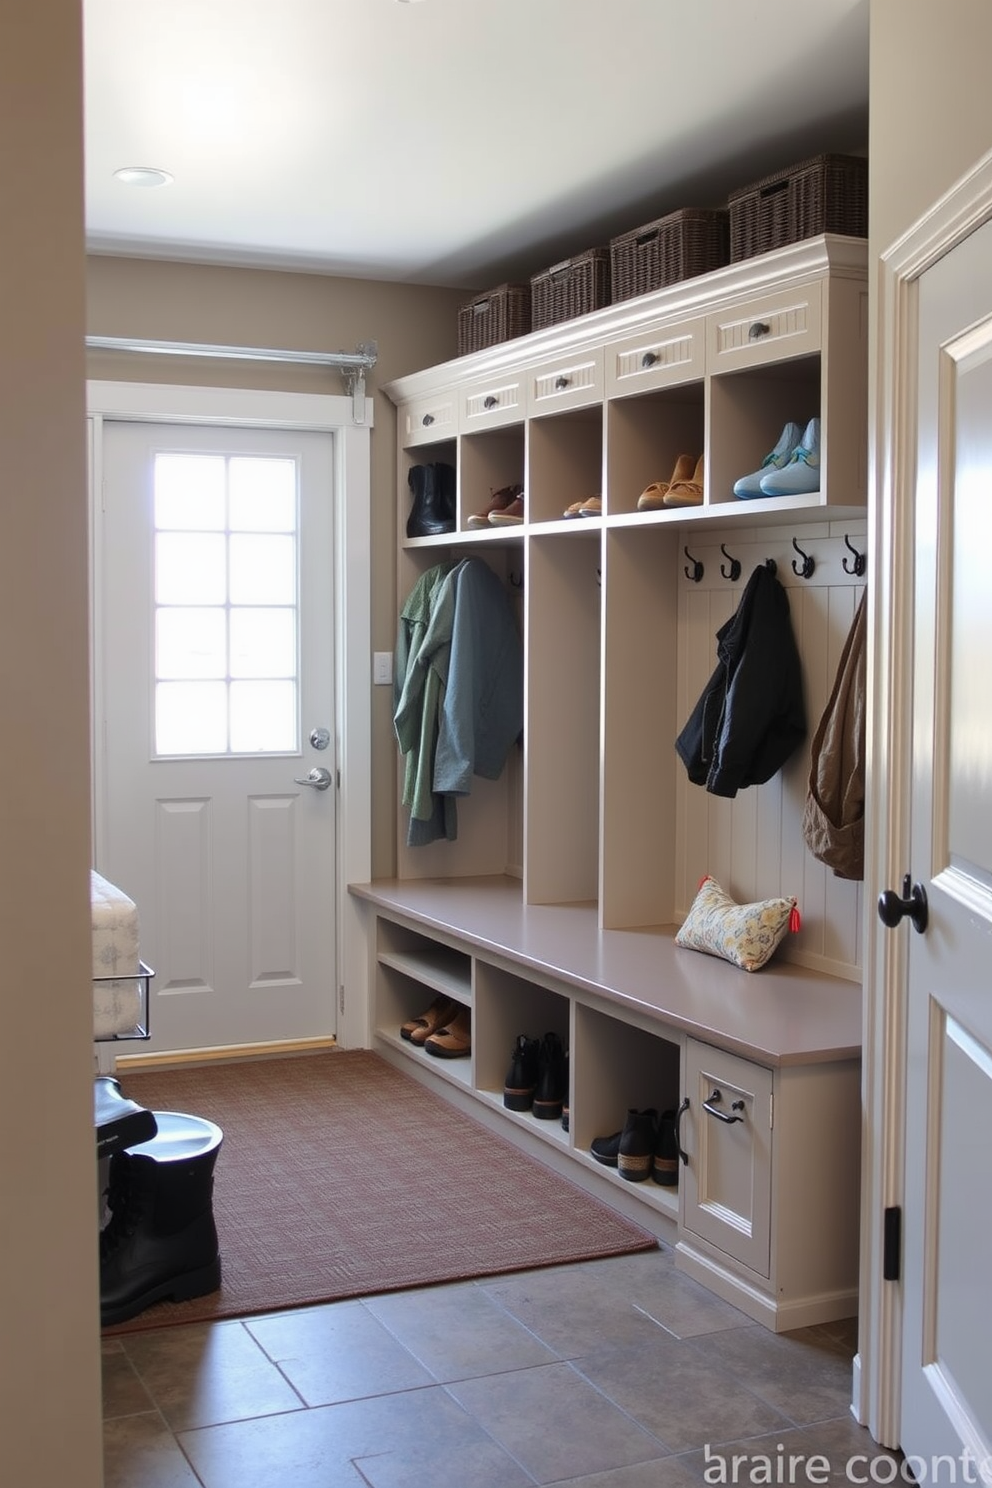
768, 328
726, 1132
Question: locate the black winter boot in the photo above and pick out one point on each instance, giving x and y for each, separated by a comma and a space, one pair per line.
635, 1157
521, 1077
161, 1240
552, 1079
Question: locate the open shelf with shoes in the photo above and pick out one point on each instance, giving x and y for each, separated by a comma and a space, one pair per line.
564, 464
645, 435
491, 462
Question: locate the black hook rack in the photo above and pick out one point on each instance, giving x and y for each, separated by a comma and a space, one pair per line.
860, 559
734, 571
805, 570
695, 573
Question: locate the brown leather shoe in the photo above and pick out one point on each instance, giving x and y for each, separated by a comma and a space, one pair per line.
652, 498
499, 501
455, 1040
508, 516
440, 1012
687, 492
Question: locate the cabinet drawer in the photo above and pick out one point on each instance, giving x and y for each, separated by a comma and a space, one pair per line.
727, 1134
765, 330
566, 383
428, 420
656, 358
487, 405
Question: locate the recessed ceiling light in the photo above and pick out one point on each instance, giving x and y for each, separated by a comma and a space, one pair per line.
142, 175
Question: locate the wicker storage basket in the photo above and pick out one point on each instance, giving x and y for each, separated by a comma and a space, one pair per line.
828, 194
496, 316
673, 248
570, 288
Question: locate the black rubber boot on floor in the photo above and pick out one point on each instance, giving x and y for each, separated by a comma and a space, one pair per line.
161, 1240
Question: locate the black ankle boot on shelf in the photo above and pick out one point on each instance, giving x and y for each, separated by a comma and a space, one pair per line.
522, 1075
666, 1152
635, 1154
552, 1079
161, 1240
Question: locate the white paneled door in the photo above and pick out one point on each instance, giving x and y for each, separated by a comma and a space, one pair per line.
947, 1320
214, 663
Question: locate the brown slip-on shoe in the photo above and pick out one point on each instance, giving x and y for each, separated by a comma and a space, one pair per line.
652, 498
454, 1040
499, 501
687, 492
592, 508
510, 516
574, 509
440, 1012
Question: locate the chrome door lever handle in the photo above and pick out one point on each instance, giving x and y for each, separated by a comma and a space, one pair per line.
318, 778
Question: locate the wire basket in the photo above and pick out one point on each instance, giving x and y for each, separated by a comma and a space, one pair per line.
673, 248
828, 194
570, 288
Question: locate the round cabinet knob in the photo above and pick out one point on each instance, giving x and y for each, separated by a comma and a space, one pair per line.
758, 329
562, 382
649, 358
893, 909
490, 401
427, 420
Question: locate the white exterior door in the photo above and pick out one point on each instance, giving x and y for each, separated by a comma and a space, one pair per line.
215, 669
946, 1405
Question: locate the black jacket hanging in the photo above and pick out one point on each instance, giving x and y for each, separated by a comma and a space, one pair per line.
751, 716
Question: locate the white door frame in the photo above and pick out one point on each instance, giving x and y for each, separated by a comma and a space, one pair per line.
163, 403
891, 526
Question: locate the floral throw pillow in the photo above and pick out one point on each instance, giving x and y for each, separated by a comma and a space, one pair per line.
744, 934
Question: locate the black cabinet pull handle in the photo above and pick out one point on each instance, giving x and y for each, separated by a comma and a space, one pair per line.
758, 329
649, 358
427, 420
913, 905
562, 382
490, 400
713, 1103
678, 1131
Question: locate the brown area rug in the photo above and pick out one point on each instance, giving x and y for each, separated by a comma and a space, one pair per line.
340, 1176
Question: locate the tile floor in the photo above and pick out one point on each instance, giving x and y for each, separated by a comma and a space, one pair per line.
618, 1373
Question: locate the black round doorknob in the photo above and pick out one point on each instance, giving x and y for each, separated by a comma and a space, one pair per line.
892, 908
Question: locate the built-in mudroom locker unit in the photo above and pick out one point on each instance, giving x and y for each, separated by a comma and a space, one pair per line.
556, 905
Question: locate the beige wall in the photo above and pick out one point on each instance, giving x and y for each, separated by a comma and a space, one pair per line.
49, 1312
301, 312
931, 116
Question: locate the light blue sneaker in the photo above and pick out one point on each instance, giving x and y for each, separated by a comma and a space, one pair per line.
802, 474
749, 485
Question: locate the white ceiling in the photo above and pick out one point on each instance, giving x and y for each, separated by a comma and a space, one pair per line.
449, 142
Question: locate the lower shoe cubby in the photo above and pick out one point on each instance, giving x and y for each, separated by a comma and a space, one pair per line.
412, 971
617, 1067
507, 1006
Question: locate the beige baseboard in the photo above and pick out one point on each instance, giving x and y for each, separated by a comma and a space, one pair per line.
223, 1054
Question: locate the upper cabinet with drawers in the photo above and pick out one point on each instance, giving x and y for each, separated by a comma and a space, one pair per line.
714, 366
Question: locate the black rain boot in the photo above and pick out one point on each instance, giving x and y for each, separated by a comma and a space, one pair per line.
433, 509
161, 1240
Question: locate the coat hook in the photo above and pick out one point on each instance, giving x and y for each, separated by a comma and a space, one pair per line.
516, 580
695, 573
734, 571
860, 559
806, 568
